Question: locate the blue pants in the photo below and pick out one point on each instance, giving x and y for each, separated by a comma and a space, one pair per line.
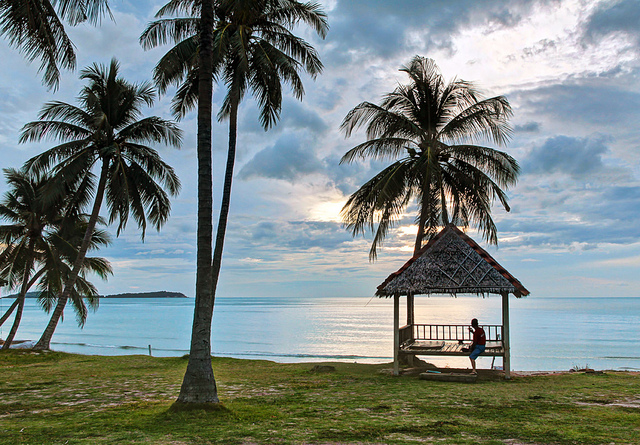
479, 349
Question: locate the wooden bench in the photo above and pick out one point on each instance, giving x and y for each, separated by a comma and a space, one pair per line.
447, 340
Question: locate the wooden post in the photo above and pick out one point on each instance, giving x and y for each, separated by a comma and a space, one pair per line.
410, 311
411, 319
396, 334
505, 336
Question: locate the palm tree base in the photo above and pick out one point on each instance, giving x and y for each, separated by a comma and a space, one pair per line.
178, 407
39, 347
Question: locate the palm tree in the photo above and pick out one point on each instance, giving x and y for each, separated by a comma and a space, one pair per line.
253, 50
38, 237
57, 270
106, 131
50, 274
35, 27
428, 128
199, 385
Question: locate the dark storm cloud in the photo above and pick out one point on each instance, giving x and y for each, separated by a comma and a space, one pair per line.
614, 17
289, 159
269, 239
529, 127
572, 197
587, 101
570, 155
300, 116
294, 115
380, 27
611, 214
563, 234
304, 235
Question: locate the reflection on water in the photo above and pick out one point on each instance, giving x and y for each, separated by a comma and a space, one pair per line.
546, 333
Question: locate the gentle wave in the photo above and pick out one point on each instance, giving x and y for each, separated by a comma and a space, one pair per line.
125, 347
320, 356
621, 357
235, 353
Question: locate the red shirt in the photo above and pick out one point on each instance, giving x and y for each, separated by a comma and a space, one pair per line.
479, 337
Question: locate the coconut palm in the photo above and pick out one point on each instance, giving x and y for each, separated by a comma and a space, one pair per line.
428, 128
106, 131
36, 28
40, 235
254, 50
199, 385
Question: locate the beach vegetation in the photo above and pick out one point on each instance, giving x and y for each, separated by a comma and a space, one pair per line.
36, 28
106, 132
54, 397
254, 50
44, 227
429, 128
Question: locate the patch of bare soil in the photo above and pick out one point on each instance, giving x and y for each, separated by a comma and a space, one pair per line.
626, 403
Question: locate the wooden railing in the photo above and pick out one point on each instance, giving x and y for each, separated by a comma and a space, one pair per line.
451, 332
406, 334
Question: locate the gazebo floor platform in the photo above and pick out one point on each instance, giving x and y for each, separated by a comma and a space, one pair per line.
451, 348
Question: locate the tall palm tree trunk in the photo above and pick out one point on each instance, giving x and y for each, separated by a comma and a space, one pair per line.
420, 236
424, 211
198, 384
21, 298
45, 339
443, 201
226, 195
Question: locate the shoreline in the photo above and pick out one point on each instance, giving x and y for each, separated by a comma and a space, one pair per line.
404, 371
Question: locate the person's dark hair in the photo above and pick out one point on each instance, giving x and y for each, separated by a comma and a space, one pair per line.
474, 322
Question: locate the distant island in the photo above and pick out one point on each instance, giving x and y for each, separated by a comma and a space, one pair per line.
157, 294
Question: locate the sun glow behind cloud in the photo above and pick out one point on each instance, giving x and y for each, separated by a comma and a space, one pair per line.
328, 211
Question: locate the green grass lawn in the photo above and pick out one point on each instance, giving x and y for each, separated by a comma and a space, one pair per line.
66, 399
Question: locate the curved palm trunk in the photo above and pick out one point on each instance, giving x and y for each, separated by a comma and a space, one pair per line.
13, 306
226, 195
9, 311
45, 339
20, 299
198, 384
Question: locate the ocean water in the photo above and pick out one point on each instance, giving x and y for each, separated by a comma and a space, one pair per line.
550, 333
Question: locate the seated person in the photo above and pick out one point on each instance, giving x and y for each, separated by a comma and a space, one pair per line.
478, 344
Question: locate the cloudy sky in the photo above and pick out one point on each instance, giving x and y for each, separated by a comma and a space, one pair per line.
570, 69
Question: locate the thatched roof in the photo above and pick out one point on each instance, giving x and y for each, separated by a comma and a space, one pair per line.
451, 263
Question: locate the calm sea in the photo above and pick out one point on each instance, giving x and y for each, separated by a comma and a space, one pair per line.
547, 333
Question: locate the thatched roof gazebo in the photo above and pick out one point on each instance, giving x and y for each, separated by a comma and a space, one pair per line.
450, 263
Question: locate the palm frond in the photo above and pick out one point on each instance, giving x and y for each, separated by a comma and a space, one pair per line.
378, 149
485, 120
174, 30
35, 29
